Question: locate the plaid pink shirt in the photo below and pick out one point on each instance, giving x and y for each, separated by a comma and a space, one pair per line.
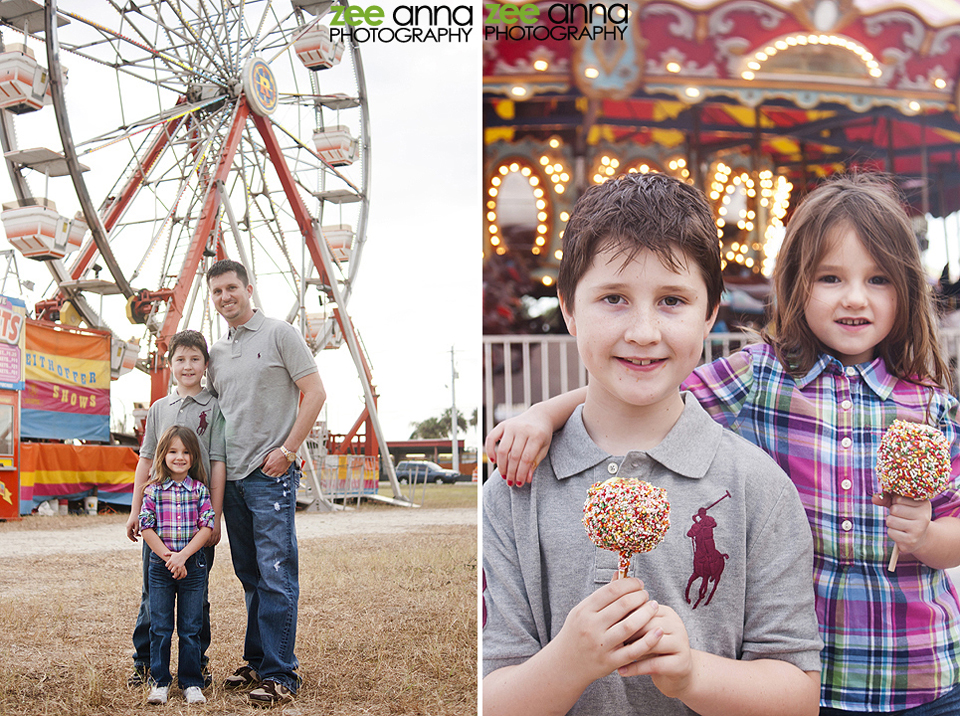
892, 639
176, 511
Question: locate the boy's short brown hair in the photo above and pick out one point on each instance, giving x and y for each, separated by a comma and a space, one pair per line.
637, 212
189, 339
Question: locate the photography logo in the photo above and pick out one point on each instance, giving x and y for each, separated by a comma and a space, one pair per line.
410, 23
560, 21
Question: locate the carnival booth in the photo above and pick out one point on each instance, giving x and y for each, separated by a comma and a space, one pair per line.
12, 331
67, 399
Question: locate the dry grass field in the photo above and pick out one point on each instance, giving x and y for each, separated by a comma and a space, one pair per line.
388, 623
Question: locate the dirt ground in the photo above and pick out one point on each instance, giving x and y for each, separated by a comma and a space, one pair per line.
388, 616
103, 534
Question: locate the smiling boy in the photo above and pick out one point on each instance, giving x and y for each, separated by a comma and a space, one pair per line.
191, 405
726, 623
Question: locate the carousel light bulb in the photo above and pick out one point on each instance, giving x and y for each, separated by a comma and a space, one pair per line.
541, 65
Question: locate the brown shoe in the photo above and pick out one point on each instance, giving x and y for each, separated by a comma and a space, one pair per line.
243, 678
270, 693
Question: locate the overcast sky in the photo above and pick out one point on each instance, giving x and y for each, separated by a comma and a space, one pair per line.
418, 291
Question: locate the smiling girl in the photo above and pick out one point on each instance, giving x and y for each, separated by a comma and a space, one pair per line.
175, 521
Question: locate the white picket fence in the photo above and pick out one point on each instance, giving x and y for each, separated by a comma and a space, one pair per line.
521, 370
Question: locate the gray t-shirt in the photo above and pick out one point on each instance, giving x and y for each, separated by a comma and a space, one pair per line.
253, 370
201, 412
736, 564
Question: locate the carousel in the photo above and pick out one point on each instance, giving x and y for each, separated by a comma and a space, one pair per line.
752, 101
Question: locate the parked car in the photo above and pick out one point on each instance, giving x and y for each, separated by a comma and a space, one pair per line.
424, 470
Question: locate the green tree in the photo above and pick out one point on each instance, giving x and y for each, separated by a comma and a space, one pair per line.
439, 428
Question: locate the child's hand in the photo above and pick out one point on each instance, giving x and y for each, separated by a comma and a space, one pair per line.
595, 631
518, 445
669, 660
176, 563
907, 521
133, 527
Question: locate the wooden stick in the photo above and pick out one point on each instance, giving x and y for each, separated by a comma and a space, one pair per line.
892, 567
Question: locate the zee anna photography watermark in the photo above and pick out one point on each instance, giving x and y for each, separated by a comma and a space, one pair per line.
410, 23
559, 21
449, 23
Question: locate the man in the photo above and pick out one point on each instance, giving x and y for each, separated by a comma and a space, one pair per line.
258, 370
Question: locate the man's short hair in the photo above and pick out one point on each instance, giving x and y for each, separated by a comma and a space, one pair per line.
636, 212
226, 266
189, 339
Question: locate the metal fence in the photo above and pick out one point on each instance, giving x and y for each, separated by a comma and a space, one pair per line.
341, 477
519, 371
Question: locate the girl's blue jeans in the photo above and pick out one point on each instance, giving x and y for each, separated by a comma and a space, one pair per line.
185, 597
946, 705
141, 631
260, 513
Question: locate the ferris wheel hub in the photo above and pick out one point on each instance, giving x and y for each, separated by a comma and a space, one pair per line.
260, 86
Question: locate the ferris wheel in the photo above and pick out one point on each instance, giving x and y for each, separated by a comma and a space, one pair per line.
189, 131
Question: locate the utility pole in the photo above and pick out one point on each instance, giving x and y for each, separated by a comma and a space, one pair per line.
453, 412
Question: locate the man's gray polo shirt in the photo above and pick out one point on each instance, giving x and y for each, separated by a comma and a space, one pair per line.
736, 564
253, 371
200, 412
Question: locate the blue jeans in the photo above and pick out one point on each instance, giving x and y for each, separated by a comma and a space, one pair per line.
186, 597
141, 630
946, 705
260, 515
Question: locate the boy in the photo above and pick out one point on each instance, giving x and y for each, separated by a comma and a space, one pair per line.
192, 406
726, 624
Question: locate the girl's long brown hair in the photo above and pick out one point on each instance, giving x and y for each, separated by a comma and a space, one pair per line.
869, 205
160, 473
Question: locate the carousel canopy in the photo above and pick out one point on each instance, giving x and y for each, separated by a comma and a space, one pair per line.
754, 101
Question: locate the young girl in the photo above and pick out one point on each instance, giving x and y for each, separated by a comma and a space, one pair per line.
176, 520
853, 346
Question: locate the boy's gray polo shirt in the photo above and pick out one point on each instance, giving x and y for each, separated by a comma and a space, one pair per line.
736, 564
254, 371
200, 412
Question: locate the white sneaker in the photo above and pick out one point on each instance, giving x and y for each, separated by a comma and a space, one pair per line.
158, 695
193, 695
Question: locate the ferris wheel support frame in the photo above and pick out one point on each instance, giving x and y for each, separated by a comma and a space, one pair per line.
322, 258
159, 373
